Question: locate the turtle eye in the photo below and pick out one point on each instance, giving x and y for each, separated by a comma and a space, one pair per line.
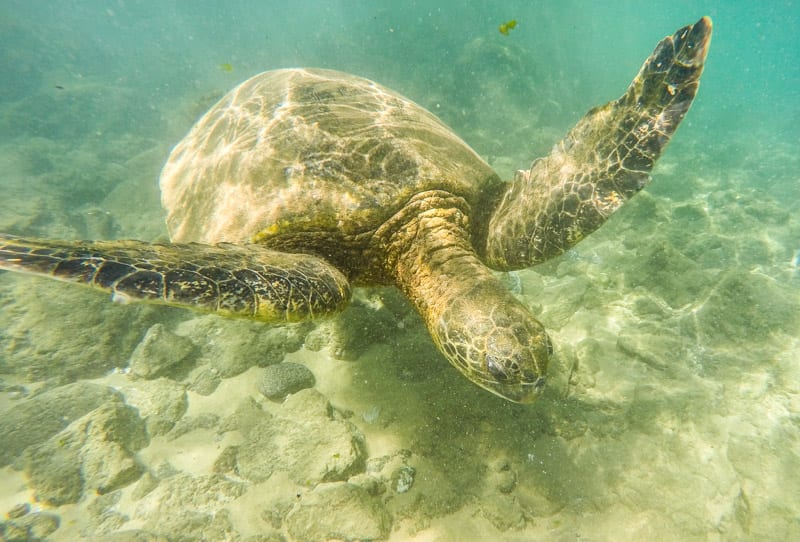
496, 369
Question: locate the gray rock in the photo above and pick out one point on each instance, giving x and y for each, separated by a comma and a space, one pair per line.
191, 525
165, 470
56, 352
34, 420
135, 535
147, 483
247, 415
34, 526
18, 511
230, 347
279, 380
53, 471
94, 452
656, 346
115, 423
206, 420
187, 508
309, 403
668, 273
159, 351
203, 380
339, 511
388, 472
271, 537
350, 334
403, 478
161, 403
226, 461
306, 439
745, 309
11, 532
41, 524
104, 515
373, 485
103, 504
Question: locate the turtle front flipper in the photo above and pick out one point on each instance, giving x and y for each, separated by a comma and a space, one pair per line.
603, 161
247, 281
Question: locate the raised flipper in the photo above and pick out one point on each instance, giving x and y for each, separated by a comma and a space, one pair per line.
604, 160
247, 281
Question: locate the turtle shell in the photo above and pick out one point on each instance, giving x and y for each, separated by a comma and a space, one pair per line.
301, 154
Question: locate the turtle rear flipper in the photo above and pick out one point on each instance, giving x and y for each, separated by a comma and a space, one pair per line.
247, 281
604, 160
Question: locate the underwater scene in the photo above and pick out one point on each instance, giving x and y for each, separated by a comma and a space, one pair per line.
671, 409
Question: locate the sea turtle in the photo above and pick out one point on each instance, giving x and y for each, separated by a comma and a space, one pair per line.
302, 182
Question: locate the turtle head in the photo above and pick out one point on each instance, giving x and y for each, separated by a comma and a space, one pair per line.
495, 342
476, 323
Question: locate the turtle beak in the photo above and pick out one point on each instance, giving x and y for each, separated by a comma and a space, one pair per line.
519, 376
525, 392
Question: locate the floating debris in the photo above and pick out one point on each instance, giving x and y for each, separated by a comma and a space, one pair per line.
227, 67
505, 28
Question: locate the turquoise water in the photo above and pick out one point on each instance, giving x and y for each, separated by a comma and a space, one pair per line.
673, 409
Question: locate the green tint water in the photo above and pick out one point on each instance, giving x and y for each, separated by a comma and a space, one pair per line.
675, 398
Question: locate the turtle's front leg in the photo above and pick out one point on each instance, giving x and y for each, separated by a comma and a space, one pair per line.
603, 161
247, 281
